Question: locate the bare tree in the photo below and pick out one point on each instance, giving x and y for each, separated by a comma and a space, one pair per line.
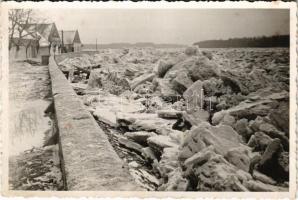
20, 20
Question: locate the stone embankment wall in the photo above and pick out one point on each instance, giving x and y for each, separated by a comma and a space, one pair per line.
88, 160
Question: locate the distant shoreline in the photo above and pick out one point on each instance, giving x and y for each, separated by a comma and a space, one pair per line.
205, 48
277, 41
249, 42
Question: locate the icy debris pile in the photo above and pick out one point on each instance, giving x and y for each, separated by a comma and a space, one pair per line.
203, 120
131, 62
84, 61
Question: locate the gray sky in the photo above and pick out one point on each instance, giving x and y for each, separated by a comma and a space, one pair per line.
168, 26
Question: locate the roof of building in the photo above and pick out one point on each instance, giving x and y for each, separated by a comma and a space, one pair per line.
43, 29
45, 32
24, 35
69, 37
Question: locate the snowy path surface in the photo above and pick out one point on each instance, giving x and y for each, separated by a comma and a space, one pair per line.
31, 166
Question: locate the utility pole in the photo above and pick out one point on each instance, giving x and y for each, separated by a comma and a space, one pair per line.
96, 44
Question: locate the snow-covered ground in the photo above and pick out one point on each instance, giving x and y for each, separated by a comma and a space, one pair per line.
31, 166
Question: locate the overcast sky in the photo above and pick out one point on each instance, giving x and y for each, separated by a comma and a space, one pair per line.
168, 26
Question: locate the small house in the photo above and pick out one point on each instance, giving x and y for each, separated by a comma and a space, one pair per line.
23, 47
36, 40
49, 41
71, 41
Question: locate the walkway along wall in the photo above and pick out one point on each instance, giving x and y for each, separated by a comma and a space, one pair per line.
89, 161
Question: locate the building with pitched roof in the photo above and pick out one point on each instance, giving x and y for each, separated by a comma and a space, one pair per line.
70, 40
23, 44
35, 40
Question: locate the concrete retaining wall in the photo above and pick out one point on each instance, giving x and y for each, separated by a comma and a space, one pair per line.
89, 160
